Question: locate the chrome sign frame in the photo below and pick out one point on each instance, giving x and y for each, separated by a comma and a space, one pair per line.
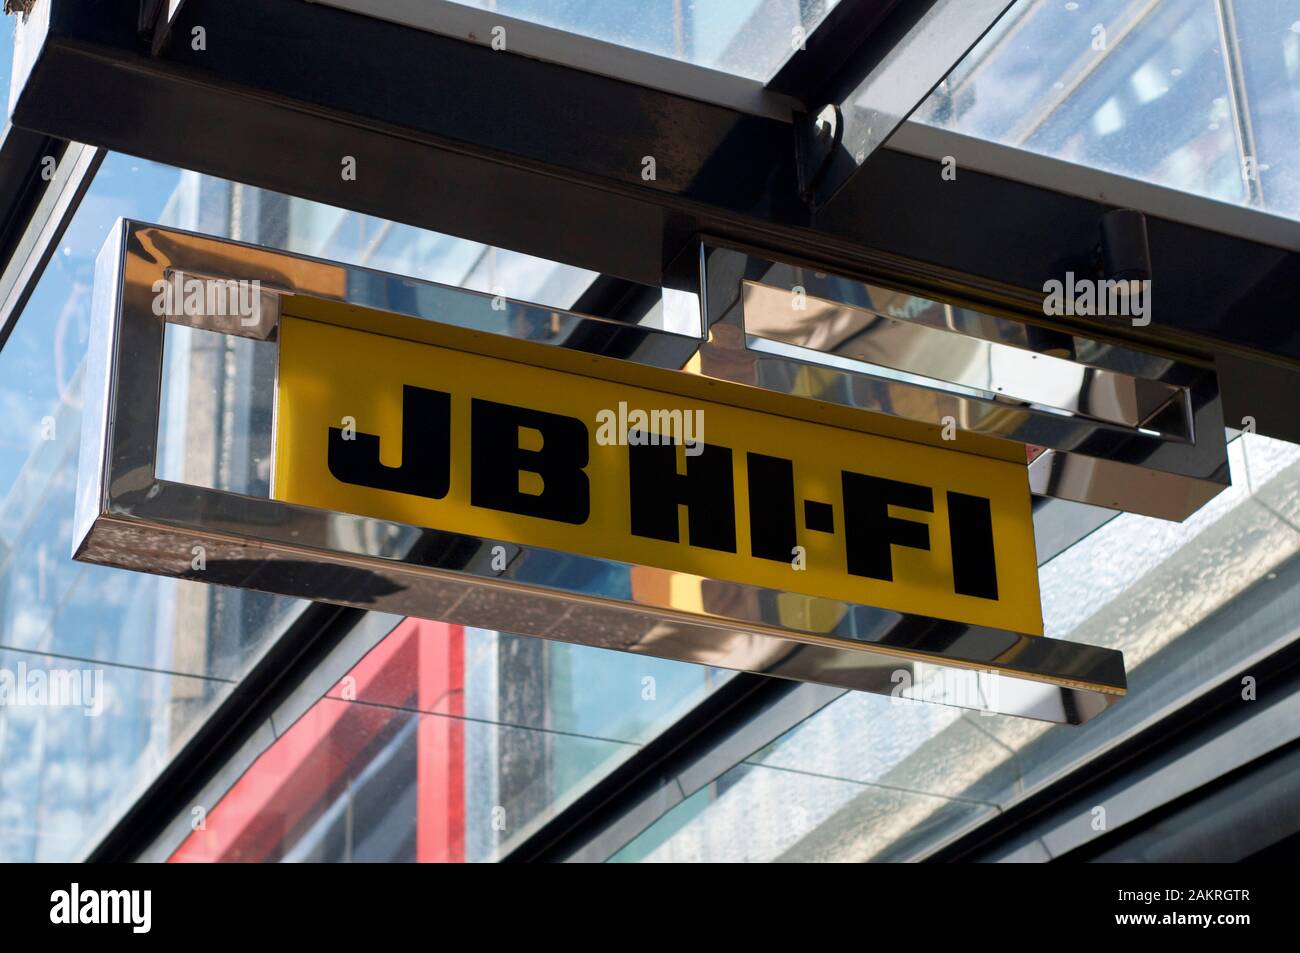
129, 518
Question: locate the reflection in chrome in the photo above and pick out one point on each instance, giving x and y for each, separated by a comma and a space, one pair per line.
1120, 428
127, 517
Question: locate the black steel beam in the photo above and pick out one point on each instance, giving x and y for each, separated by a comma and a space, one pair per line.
21, 157
1213, 294
843, 32
1207, 287
548, 160
164, 17
42, 180
446, 134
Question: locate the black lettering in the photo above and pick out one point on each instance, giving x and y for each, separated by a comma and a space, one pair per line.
426, 449
496, 460
706, 490
970, 525
772, 529
819, 516
870, 532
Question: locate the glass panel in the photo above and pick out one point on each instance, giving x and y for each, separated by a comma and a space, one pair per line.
216, 411
750, 38
1268, 35
76, 738
759, 814
877, 778
445, 744
1142, 88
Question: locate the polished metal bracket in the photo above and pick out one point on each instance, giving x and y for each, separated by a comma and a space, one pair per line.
1096, 422
126, 516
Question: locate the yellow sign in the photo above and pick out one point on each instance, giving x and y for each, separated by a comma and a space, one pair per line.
460, 441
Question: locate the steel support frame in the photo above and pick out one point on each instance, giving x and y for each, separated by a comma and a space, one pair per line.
451, 135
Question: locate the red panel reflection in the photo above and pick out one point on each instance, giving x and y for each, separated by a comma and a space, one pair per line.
418, 667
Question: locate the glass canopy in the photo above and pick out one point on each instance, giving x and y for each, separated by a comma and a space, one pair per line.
750, 38
1202, 96
1198, 95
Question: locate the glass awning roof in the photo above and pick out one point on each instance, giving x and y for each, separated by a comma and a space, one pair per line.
749, 38
1196, 95
1201, 96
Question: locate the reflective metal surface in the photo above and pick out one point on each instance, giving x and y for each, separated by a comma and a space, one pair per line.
1105, 424
937, 342
126, 517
